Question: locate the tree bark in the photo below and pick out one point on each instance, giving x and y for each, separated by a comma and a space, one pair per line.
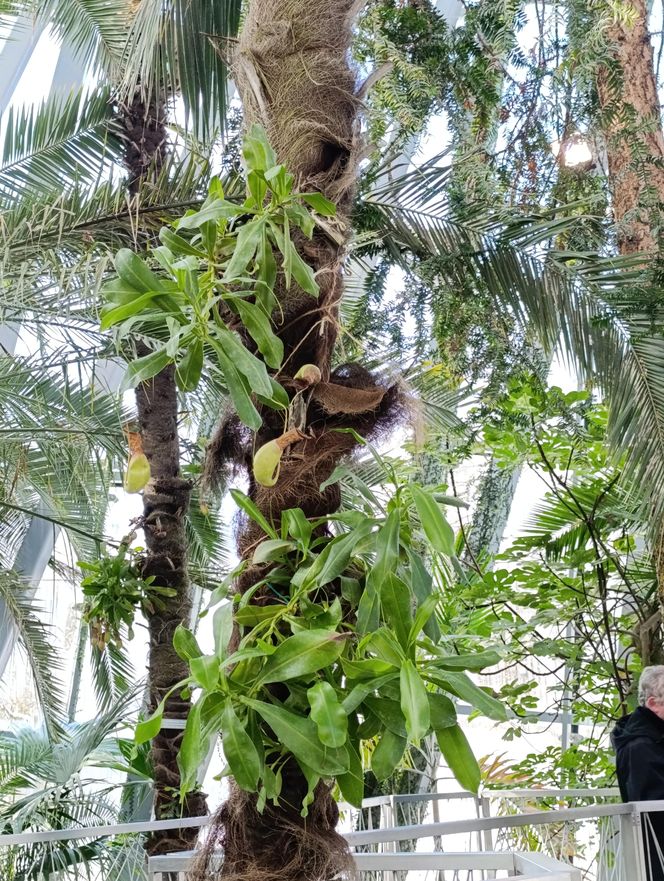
165, 505
627, 92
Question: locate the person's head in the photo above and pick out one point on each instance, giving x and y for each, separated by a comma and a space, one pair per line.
651, 689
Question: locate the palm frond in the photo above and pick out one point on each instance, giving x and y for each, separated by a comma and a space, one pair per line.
180, 47
66, 141
112, 675
24, 616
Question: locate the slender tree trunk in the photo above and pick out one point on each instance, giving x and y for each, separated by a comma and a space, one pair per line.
165, 505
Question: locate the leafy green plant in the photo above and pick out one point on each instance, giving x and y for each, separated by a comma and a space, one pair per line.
342, 651
114, 591
218, 274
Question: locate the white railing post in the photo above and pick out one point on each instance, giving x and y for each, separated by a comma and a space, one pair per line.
632, 851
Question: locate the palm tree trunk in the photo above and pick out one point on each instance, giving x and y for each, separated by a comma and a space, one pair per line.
292, 72
165, 505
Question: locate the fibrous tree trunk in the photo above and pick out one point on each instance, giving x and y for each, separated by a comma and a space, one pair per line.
627, 92
165, 506
293, 74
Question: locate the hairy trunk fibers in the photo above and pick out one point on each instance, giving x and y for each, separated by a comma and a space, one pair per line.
628, 98
292, 71
165, 505
635, 154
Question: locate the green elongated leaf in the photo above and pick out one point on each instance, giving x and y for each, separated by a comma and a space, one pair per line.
250, 509
257, 150
300, 735
222, 626
245, 363
134, 272
327, 713
369, 668
279, 399
260, 328
205, 670
185, 644
422, 584
302, 272
272, 549
475, 662
150, 727
335, 556
389, 712
217, 209
320, 204
143, 369
362, 690
179, 245
302, 654
116, 314
456, 751
296, 524
383, 643
239, 750
193, 749
242, 402
248, 616
414, 702
351, 783
188, 371
248, 240
462, 686
423, 615
387, 550
442, 711
436, 528
368, 610
387, 755
395, 600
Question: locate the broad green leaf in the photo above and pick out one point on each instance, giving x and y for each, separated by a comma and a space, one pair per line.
143, 369
303, 654
248, 239
422, 616
477, 661
414, 702
242, 402
369, 668
320, 204
387, 550
185, 644
296, 524
302, 272
218, 209
111, 316
436, 528
133, 271
300, 735
383, 643
422, 584
442, 711
150, 727
327, 713
368, 610
351, 784
222, 627
249, 508
245, 362
272, 549
456, 751
335, 556
395, 600
193, 749
389, 712
387, 754
189, 369
363, 689
248, 616
462, 686
260, 328
239, 750
179, 245
205, 671
256, 149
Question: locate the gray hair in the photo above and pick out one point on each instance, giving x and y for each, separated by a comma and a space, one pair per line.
651, 683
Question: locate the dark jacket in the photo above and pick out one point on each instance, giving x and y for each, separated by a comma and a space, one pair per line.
638, 740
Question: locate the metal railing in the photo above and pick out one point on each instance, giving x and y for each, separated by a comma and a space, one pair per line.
598, 841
